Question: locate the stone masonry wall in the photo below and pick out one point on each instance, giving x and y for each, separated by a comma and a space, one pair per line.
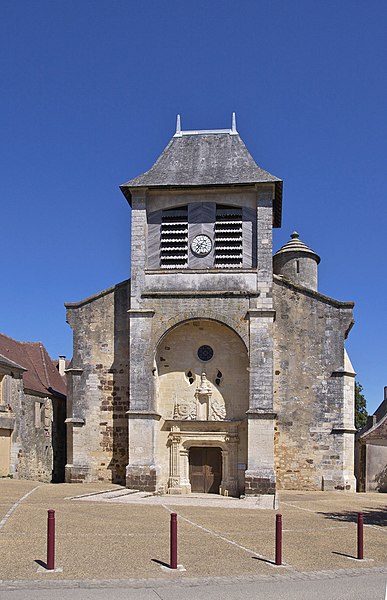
32, 437
375, 457
309, 333
98, 387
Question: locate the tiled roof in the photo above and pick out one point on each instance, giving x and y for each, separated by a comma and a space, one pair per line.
6, 362
40, 374
205, 158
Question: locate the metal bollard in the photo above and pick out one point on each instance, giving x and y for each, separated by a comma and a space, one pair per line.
51, 540
278, 539
360, 538
173, 541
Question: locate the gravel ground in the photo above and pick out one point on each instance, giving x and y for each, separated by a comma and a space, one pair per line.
105, 533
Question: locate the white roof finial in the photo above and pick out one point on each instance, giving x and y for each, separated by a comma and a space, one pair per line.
233, 125
178, 126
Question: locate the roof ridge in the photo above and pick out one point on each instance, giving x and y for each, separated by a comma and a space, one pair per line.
179, 131
205, 132
41, 347
17, 341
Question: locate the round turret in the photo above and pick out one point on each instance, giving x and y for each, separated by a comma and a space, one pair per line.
297, 262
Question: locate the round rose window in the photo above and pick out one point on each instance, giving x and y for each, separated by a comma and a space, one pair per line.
205, 353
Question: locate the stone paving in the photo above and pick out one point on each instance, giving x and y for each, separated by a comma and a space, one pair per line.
107, 536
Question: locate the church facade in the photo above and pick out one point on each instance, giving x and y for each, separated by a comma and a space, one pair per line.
217, 367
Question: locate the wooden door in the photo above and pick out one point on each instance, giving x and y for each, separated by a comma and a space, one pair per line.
205, 469
5, 451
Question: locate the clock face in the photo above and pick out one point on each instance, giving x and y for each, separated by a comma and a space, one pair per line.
201, 245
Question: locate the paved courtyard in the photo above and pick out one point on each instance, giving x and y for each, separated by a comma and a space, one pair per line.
106, 533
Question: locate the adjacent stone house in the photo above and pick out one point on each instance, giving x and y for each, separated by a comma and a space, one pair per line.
371, 451
216, 368
32, 412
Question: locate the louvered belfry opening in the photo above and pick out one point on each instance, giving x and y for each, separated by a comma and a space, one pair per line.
228, 237
174, 238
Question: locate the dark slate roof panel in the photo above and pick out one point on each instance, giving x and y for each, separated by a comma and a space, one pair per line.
206, 158
203, 159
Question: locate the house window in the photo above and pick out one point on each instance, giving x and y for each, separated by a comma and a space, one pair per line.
39, 414
5, 391
174, 238
228, 237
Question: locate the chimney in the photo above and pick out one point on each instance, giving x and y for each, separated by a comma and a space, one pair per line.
62, 365
385, 392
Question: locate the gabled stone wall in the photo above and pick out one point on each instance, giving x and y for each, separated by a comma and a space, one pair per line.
98, 387
315, 422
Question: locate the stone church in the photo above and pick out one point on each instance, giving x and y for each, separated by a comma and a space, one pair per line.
217, 367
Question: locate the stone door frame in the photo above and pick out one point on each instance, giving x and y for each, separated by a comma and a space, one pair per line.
180, 442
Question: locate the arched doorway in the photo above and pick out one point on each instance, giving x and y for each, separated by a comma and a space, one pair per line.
201, 384
205, 469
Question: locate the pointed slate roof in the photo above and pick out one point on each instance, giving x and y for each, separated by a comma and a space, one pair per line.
205, 158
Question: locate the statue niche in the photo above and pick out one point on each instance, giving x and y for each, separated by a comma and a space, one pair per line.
202, 407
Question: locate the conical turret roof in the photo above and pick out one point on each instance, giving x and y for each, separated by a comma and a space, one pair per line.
296, 245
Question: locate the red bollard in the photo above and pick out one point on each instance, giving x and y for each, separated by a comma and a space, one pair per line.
360, 539
50, 540
173, 541
278, 539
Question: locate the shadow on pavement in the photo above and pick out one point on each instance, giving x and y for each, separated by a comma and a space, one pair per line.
372, 516
160, 562
265, 560
343, 554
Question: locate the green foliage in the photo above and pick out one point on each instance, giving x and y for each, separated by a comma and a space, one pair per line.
361, 413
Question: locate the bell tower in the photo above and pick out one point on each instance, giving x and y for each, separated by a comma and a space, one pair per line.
202, 219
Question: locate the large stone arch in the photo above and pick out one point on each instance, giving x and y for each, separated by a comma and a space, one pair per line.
201, 401
183, 317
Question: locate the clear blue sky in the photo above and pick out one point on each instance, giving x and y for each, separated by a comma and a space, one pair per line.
90, 93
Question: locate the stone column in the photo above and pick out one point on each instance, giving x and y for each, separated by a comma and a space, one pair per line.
174, 461
142, 471
185, 483
229, 474
343, 431
139, 236
78, 468
225, 469
260, 475
233, 474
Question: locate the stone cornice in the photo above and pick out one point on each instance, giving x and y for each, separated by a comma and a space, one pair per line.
341, 430
253, 413
141, 312
143, 414
314, 294
76, 421
261, 312
7, 422
198, 294
96, 296
342, 373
